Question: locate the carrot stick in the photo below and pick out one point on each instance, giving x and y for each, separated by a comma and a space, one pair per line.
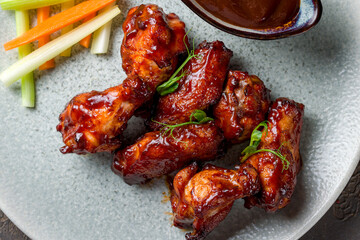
58, 21
55, 47
85, 42
43, 14
65, 6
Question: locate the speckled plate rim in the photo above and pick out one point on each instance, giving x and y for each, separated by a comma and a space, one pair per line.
9, 214
327, 205
14, 219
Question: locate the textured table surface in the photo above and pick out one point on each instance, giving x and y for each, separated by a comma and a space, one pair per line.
340, 222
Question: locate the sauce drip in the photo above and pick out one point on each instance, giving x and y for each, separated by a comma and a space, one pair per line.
256, 14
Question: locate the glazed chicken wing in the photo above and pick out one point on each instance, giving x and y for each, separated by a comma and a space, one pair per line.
278, 183
200, 88
156, 154
152, 43
202, 200
92, 122
243, 105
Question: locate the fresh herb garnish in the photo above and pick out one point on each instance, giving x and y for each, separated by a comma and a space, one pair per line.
254, 143
196, 117
172, 84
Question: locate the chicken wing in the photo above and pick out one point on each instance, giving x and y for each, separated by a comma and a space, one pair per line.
200, 88
156, 154
278, 183
152, 43
243, 105
202, 200
92, 122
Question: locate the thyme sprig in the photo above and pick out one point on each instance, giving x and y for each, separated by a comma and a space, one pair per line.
197, 117
172, 84
255, 142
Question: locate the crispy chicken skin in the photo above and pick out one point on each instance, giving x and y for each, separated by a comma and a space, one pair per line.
202, 200
152, 43
92, 122
156, 154
284, 122
243, 105
200, 88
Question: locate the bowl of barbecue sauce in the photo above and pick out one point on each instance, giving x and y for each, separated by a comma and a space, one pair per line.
259, 19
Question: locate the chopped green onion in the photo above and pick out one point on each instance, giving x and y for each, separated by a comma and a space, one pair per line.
27, 4
55, 47
101, 38
27, 81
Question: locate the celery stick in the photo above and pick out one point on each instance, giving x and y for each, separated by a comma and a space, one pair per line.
27, 81
55, 47
101, 38
28, 90
27, 4
65, 6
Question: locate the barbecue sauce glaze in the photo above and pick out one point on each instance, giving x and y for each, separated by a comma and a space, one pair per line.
256, 14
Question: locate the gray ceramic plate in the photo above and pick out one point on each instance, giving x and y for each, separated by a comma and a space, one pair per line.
52, 196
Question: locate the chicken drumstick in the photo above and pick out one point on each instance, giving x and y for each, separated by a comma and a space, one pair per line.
92, 122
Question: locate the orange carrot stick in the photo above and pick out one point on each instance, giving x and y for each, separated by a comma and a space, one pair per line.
58, 21
43, 13
85, 42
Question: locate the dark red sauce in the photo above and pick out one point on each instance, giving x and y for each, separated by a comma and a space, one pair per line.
256, 14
